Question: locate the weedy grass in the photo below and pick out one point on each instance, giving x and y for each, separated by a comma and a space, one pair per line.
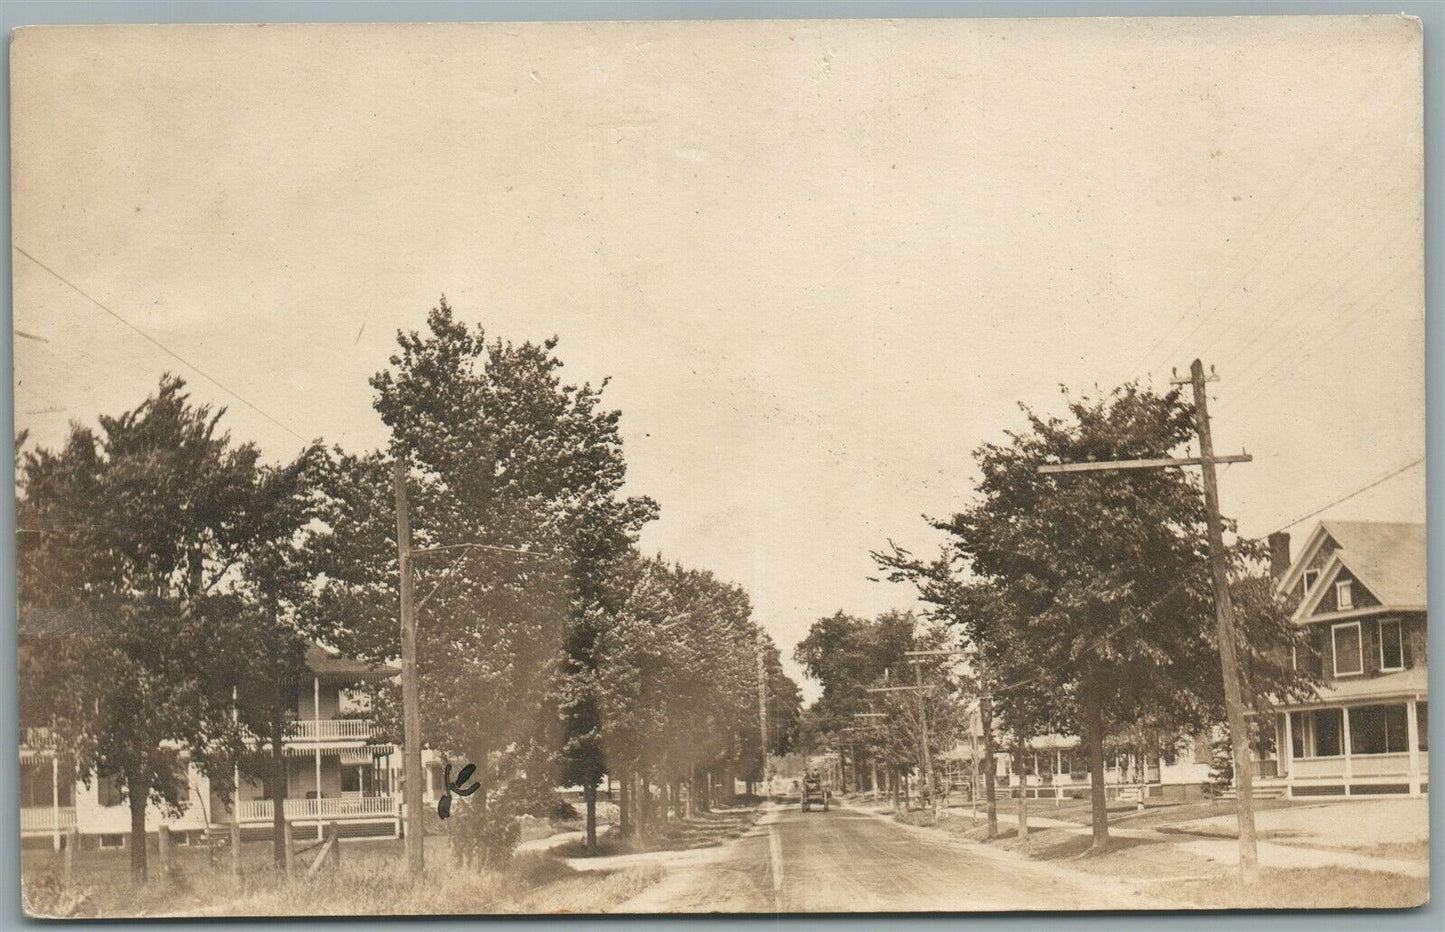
1313, 888
371, 881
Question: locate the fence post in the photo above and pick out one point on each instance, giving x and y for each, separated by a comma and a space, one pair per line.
163, 849
333, 833
236, 849
72, 841
290, 854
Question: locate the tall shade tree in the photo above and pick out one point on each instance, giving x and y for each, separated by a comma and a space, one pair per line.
134, 543
517, 476
1101, 582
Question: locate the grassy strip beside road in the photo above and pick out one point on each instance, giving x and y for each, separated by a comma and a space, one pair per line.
1154, 847
371, 880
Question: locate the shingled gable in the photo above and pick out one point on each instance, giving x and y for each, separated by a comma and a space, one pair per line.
1387, 558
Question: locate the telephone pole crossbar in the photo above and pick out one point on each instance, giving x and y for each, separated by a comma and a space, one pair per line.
1144, 464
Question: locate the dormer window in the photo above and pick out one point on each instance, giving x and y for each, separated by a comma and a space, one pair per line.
1344, 597
1311, 577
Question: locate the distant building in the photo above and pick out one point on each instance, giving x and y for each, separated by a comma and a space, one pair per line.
336, 772
1360, 591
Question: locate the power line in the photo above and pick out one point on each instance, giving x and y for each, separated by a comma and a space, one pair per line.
1344, 161
159, 345
1293, 322
1344, 498
1256, 390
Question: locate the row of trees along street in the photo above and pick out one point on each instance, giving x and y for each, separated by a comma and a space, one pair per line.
1083, 603
170, 582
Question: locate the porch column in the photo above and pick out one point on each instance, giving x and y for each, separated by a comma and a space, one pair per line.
1412, 735
55, 791
1345, 740
1287, 750
316, 717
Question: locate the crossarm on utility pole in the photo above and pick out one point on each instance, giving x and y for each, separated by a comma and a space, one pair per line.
1163, 463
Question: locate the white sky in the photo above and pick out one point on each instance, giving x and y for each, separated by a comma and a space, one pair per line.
821, 261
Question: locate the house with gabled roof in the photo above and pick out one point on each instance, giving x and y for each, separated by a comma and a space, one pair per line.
1359, 592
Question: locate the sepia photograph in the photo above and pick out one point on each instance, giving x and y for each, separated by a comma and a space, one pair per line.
753, 467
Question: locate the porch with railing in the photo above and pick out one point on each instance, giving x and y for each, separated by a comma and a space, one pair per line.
326, 809
332, 729
41, 820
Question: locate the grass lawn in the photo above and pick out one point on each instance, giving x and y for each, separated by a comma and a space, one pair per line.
1318, 888
1145, 846
371, 881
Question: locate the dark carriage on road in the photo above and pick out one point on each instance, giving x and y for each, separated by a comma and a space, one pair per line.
815, 795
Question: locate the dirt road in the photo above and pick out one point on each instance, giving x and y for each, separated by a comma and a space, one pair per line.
851, 860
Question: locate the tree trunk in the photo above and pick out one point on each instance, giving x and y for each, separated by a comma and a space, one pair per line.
624, 803
692, 792
1094, 738
137, 791
589, 794
643, 804
1023, 792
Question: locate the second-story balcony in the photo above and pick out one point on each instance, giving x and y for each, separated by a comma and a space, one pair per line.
331, 729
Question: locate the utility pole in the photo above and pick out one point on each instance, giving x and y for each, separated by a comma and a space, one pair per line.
1223, 605
411, 717
990, 776
1224, 616
762, 708
924, 754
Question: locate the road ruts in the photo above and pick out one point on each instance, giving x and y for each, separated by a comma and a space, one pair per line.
849, 860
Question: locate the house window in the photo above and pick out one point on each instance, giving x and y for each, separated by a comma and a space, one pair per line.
1297, 734
1327, 730
1311, 577
112, 841
1349, 650
1378, 729
1344, 597
1392, 646
1422, 726
110, 789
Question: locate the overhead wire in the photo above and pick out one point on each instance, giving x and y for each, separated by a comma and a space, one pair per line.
161, 346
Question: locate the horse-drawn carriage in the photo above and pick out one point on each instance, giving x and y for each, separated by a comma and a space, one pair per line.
815, 795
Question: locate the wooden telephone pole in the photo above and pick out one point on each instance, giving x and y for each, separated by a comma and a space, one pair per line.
762, 709
1223, 604
411, 717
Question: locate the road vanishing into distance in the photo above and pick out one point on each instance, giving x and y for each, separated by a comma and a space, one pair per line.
854, 860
